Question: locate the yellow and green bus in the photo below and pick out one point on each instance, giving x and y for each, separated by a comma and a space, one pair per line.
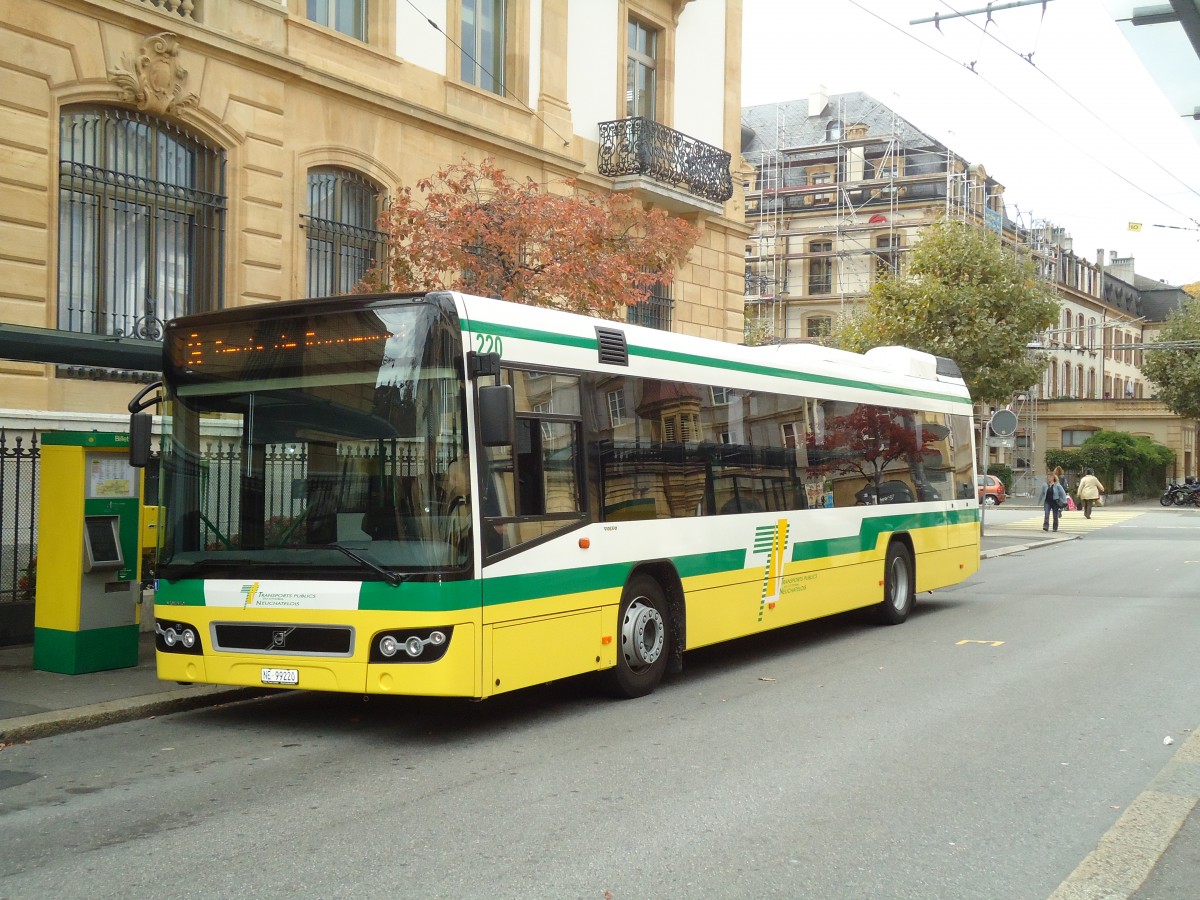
439, 494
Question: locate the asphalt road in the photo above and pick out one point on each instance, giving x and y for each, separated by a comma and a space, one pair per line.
979, 751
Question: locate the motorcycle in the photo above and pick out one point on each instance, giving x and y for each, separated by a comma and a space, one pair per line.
1181, 494
1173, 495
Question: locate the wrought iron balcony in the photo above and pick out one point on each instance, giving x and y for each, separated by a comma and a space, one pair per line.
641, 146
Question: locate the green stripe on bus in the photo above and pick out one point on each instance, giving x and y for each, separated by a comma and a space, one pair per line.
419, 596
187, 592
550, 337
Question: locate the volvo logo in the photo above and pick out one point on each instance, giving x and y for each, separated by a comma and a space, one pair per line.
279, 638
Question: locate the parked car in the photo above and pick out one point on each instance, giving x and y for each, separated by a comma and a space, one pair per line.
889, 492
991, 490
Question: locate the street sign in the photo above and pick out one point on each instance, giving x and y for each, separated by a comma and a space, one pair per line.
1003, 422
1007, 441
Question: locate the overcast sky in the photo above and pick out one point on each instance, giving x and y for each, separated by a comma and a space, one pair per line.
1081, 137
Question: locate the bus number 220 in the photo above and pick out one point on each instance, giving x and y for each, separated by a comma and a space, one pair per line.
490, 343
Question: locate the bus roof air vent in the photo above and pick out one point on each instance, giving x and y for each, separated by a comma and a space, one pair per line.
948, 367
610, 342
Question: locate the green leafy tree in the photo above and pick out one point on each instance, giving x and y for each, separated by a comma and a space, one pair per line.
1176, 373
471, 227
965, 297
1141, 462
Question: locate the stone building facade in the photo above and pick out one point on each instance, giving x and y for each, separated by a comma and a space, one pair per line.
163, 157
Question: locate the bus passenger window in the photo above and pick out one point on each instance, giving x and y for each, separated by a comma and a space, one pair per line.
531, 497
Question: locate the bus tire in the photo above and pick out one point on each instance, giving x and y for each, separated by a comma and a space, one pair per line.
643, 639
899, 585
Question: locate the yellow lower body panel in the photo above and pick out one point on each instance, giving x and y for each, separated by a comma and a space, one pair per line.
456, 674
733, 605
534, 651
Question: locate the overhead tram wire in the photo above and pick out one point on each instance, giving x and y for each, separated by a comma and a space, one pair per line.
438, 28
1083, 151
1029, 59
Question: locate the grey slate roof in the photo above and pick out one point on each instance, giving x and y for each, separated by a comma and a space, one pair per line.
781, 126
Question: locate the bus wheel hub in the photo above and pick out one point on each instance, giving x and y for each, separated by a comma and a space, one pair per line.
642, 634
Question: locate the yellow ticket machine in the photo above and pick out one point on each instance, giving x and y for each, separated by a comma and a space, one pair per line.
88, 589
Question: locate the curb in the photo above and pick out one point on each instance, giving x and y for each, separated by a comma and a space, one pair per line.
48, 724
1128, 852
1018, 548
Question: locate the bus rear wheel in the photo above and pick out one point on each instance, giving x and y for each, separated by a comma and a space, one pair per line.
899, 585
643, 639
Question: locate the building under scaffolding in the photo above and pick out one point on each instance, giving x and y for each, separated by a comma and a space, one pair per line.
840, 189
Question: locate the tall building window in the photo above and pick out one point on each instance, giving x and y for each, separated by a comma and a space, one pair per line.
616, 408
141, 222
641, 70
817, 327
654, 311
820, 268
483, 43
887, 255
344, 241
347, 16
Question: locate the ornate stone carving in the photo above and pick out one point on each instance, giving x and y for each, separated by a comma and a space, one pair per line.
677, 7
154, 80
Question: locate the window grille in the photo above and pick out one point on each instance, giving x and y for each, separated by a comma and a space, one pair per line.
344, 240
141, 223
655, 311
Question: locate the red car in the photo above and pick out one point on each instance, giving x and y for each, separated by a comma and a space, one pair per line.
991, 490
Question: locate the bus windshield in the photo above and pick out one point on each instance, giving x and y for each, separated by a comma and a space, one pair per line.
310, 445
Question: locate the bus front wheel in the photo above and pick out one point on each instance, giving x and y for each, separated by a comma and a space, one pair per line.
643, 639
899, 585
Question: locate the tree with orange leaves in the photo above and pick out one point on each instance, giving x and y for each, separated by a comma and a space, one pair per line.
475, 229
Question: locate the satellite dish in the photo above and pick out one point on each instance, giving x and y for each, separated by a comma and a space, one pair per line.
1003, 423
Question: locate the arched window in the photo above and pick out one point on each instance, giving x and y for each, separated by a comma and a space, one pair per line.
1079, 330
1091, 384
1091, 335
141, 222
1053, 380
833, 130
1079, 381
1066, 380
344, 240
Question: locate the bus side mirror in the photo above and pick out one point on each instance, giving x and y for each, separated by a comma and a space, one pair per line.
497, 409
140, 426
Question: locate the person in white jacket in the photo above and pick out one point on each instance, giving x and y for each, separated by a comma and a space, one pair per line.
1089, 491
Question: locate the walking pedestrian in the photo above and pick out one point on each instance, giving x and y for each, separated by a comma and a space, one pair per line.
1090, 490
1053, 498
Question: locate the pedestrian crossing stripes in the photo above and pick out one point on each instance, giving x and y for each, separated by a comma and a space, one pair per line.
1075, 523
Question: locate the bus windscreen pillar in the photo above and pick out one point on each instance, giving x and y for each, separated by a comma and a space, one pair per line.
88, 587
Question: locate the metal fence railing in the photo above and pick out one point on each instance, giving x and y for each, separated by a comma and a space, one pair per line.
20, 464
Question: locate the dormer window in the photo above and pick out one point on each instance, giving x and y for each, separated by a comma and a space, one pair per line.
833, 131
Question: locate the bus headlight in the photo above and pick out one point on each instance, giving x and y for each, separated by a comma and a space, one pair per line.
176, 637
419, 645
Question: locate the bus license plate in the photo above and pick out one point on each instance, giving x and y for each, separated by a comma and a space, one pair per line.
280, 676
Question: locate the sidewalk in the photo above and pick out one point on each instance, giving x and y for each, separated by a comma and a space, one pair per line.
37, 704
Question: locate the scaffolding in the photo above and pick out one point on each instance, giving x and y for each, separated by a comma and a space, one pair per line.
830, 216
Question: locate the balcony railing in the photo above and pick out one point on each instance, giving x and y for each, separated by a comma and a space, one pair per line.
641, 146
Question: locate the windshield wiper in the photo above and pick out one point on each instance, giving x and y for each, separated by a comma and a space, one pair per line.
392, 578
